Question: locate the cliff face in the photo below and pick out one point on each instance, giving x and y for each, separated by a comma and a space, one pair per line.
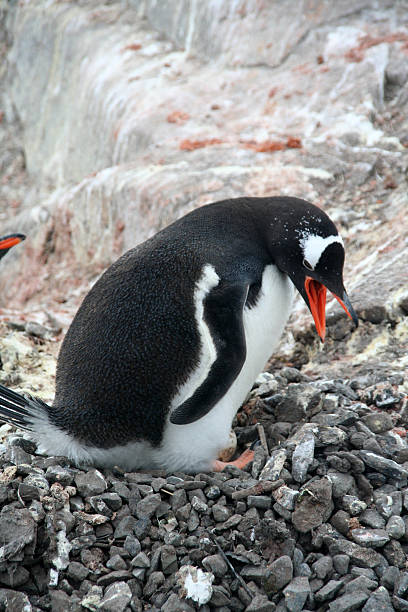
131, 114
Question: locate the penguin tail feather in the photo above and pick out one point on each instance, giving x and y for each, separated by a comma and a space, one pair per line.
21, 410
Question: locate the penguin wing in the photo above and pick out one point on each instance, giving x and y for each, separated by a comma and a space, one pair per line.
223, 309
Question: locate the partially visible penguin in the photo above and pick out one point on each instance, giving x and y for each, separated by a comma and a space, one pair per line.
6, 242
167, 344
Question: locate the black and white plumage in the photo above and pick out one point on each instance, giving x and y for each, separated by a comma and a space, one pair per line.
168, 342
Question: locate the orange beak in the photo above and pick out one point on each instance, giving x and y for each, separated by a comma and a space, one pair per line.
10, 241
316, 292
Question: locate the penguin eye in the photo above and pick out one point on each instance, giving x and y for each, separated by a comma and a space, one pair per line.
308, 265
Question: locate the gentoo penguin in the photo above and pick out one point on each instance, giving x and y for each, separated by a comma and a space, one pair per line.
167, 344
6, 242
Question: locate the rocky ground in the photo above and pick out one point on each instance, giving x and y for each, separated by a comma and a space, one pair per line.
317, 108
318, 521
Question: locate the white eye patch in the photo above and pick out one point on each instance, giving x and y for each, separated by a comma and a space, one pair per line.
313, 246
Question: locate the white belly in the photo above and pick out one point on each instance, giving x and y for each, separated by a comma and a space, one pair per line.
195, 446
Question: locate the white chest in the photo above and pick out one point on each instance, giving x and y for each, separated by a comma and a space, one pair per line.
194, 446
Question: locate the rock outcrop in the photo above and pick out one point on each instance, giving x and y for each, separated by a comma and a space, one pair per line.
133, 114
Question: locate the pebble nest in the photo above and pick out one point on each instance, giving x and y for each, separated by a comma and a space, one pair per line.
318, 520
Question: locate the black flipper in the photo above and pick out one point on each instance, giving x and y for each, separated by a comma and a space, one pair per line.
223, 309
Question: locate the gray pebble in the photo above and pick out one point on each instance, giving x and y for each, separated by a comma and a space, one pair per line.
257, 573
141, 528
395, 527
174, 604
14, 576
280, 573
395, 554
388, 504
293, 375
141, 560
388, 467
199, 505
194, 520
14, 601
116, 563
385, 397
125, 527
93, 598
116, 598
259, 603
297, 558
405, 502
32, 328
258, 461
379, 601
216, 565
341, 521
329, 590
363, 571
360, 555
112, 500
341, 564
38, 481
378, 422
390, 577
274, 465
220, 597
296, 593
100, 507
302, 457
76, 503
400, 604
77, 571
327, 436
286, 497
28, 492
212, 492
304, 570
90, 483
361, 583
147, 506
323, 567
281, 511
55, 473
341, 483
299, 399
132, 545
220, 513
314, 505
60, 601
259, 501
178, 499
17, 455
374, 538
168, 559
348, 602
401, 589
372, 518
353, 505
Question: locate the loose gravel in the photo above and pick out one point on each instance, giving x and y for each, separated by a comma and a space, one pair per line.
318, 521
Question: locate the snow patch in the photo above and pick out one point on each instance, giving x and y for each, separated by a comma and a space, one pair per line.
195, 584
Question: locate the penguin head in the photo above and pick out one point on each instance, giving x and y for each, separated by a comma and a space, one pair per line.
311, 253
6, 242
